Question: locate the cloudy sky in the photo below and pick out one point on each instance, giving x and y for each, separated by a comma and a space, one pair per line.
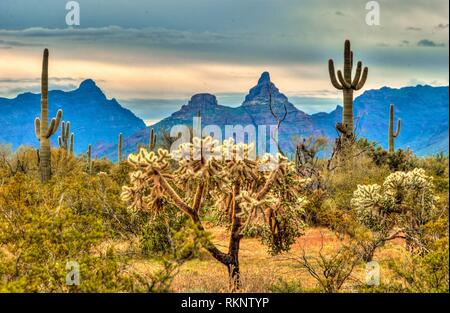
152, 55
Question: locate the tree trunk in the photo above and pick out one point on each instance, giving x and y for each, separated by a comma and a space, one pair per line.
235, 240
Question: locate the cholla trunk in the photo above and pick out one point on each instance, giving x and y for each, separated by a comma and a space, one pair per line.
235, 240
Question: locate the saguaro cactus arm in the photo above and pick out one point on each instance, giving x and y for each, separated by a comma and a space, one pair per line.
37, 128
342, 80
398, 129
63, 140
72, 138
363, 79
54, 124
345, 78
333, 75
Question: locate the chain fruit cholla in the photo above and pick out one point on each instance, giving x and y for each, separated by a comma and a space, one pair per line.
260, 195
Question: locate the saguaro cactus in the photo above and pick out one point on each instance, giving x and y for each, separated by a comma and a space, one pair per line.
72, 139
391, 134
89, 159
43, 130
347, 84
119, 149
152, 140
64, 141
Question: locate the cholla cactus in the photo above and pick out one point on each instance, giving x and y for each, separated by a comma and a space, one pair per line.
230, 176
403, 204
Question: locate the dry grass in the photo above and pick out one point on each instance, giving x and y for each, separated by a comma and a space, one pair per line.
260, 271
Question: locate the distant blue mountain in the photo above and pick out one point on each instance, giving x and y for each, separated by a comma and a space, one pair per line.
98, 121
422, 109
94, 119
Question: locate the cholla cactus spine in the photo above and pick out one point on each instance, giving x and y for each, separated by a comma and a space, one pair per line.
391, 134
42, 129
347, 84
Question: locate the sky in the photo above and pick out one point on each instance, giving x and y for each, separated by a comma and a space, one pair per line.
153, 55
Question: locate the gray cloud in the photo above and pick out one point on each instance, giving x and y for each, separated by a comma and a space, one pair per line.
37, 80
8, 44
416, 29
442, 26
429, 43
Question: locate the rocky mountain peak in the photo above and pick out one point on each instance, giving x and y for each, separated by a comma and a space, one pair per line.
203, 100
260, 93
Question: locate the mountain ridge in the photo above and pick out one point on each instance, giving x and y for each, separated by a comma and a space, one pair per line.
97, 120
94, 118
371, 114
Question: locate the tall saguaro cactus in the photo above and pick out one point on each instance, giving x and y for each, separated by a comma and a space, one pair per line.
347, 84
64, 141
391, 134
119, 149
152, 140
43, 130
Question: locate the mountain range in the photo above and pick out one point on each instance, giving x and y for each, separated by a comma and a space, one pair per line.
422, 109
98, 121
94, 119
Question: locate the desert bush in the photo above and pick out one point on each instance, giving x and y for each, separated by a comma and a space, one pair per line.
39, 235
23, 160
399, 160
331, 269
428, 271
69, 218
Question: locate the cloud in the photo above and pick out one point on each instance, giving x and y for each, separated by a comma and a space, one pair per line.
9, 44
442, 26
415, 82
37, 80
416, 29
155, 35
429, 43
